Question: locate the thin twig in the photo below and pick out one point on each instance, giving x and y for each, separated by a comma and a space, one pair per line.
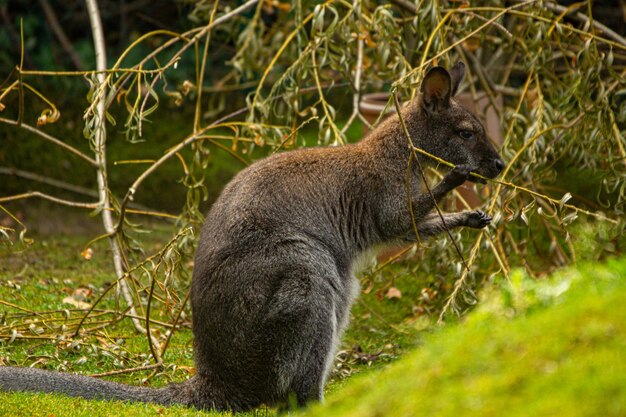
512, 11
585, 19
20, 112
406, 5
459, 283
128, 370
194, 40
50, 138
331, 122
358, 69
518, 187
200, 79
66, 319
6, 303
494, 23
412, 148
282, 48
48, 181
155, 354
174, 324
48, 197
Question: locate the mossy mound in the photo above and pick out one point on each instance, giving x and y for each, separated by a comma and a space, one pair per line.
533, 348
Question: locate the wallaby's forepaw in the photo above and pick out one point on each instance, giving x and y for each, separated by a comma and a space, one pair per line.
458, 175
478, 219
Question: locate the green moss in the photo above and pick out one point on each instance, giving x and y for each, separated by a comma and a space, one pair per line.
534, 348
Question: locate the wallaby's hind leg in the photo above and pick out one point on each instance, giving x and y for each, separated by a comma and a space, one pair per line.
307, 329
308, 383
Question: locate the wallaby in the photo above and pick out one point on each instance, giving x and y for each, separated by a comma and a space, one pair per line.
274, 279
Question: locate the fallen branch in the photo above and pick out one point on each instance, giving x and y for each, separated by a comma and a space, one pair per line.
50, 138
48, 197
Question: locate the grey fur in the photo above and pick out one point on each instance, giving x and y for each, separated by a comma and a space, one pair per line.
274, 279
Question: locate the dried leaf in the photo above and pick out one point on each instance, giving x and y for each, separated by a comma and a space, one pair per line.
87, 254
76, 303
34, 329
188, 86
393, 292
570, 218
524, 218
428, 294
189, 369
566, 197
48, 116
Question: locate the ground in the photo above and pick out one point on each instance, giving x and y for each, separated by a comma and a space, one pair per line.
387, 321
543, 347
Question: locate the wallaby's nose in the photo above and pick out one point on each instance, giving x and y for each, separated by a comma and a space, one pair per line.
499, 164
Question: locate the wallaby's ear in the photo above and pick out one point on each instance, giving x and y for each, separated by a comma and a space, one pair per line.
436, 89
457, 72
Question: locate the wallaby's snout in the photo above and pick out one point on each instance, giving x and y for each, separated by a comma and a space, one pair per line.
490, 164
499, 166
490, 169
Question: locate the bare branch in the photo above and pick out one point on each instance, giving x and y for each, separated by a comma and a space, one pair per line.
358, 70
49, 181
50, 138
137, 208
584, 19
48, 197
128, 370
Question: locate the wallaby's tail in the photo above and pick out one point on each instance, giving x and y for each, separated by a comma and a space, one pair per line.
37, 380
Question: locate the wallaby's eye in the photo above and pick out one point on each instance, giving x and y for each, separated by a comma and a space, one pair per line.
466, 134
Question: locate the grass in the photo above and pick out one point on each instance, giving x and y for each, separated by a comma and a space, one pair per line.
556, 347
531, 347
39, 278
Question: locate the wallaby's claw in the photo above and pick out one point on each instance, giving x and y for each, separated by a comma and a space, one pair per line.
458, 175
478, 219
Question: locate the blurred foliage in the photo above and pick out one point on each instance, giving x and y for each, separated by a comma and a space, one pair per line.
124, 21
212, 98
